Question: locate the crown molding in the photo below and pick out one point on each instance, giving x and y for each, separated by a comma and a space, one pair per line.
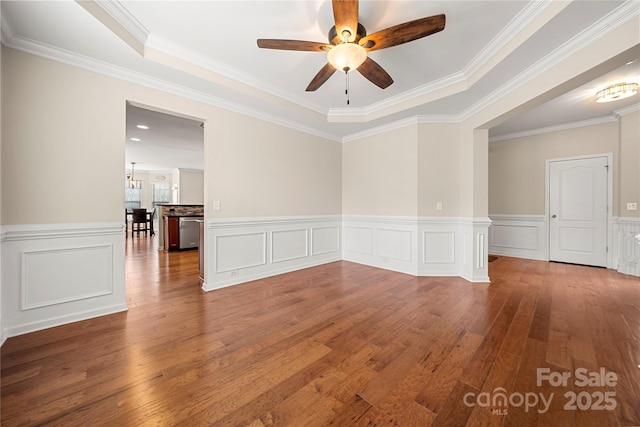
216, 72
125, 18
450, 84
627, 110
527, 15
400, 124
371, 112
615, 18
381, 129
74, 59
556, 128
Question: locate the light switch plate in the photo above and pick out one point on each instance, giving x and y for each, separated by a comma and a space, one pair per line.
632, 206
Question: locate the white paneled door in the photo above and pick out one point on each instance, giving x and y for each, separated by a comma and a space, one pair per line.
578, 211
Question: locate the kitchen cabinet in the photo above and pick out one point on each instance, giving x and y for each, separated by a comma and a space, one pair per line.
171, 233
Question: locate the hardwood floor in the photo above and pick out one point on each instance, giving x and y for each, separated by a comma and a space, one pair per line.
341, 344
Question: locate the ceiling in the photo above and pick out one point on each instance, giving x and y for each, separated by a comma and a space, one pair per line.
206, 50
164, 142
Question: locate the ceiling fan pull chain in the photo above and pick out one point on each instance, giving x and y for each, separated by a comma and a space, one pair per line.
346, 91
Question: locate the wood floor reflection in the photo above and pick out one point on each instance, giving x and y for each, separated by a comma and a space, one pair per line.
340, 344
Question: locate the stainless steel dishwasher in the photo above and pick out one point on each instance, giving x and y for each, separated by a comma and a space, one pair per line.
189, 232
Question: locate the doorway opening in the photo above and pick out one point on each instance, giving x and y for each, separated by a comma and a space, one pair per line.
161, 147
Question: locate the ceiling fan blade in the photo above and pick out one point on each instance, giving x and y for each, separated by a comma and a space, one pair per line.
403, 33
293, 45
322, 76
375, 73
345, 15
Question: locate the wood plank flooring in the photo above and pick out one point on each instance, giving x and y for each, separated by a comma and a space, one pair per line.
341, 344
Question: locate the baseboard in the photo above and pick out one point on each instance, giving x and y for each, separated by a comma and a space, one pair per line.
63, 320
264, 274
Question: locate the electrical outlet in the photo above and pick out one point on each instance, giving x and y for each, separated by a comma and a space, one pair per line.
234, 273
632, 206
438, 206
216, 205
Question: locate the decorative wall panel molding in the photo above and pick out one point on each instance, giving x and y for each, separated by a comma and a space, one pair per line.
475, 248
287, 245
358, 239
519, 236
84, 271
242, 250
325, 240
379, 241
54, 274
628, 245
421, 246
245, 249
395, 244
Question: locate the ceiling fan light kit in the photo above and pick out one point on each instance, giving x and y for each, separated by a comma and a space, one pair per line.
616, 92
347, 56
348, 50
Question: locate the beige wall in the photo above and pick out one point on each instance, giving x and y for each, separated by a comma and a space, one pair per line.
629, 163
380, 174
438, 169
191, 187
64, 123
517, 166
263, 169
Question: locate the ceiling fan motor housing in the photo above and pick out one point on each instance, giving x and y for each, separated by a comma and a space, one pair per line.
335, 38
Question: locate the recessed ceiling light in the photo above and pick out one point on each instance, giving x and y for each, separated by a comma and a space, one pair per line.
142, 127
135, 139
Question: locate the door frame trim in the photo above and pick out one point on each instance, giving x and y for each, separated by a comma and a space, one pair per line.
547, 183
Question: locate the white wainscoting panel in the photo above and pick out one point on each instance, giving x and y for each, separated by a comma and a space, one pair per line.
441, 246
381, 241
239, 250
421, 246
287, 245
54, 274
85, 271
395, 244
628, 245
325, 240
475, 266
519, 236
242, 250
358, 239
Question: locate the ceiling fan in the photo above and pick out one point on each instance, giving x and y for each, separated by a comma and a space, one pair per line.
349, 43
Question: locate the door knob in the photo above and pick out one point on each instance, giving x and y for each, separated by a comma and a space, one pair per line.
553, 216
